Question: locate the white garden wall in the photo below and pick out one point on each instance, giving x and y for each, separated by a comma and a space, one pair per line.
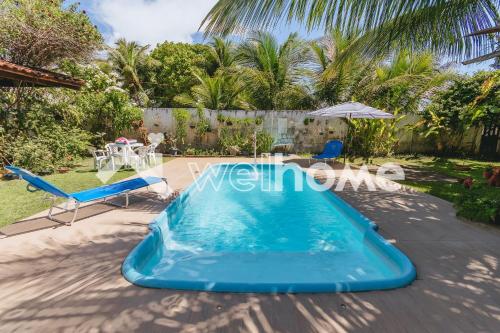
307, 138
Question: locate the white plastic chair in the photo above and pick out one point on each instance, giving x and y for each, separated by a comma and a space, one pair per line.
100, 157
138, 157
151, 153
116, 152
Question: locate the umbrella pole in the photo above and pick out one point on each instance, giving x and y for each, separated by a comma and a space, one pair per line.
345, 141
345, 138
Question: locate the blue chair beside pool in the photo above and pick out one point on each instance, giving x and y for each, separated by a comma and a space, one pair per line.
36, 183
332, 150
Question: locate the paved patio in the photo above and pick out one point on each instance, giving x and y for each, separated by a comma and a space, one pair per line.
68, 278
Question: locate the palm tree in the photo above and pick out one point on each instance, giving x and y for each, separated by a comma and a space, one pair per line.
222, 53
338, 71
273, 71
435, 25
221, 92
402, 84
125, 59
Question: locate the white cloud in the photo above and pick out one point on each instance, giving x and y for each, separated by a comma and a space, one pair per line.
151, 21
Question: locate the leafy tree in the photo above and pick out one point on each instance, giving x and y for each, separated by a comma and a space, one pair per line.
274, 72
103, 106
386, 25
42, 33
174, 71
466, 102
125, 59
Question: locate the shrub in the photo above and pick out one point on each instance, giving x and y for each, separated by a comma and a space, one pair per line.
480, 205
31, 154
230, 137
243, 139
50, 148
264, 142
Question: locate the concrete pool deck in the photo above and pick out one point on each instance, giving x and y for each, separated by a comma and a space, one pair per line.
69, 279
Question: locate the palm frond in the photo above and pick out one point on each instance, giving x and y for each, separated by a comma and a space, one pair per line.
439, 25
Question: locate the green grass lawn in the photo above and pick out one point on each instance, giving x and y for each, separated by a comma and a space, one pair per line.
450, 167
453, 167
16, 203
477, 204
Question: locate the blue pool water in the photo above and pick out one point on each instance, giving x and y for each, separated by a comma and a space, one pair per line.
256, 229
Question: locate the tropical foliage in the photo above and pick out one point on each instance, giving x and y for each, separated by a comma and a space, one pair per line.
46, 128
466, 102
338, 72
438, 26
126, 59
173, 71
258, 72
221, 92
401, 84
273, 72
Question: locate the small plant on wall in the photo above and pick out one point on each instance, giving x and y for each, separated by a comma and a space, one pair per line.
181, 117
259, 121
308, 121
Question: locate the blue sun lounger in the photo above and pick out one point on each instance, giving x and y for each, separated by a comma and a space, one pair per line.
36, 183
332, 150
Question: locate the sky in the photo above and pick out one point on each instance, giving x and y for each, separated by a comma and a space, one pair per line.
153, 21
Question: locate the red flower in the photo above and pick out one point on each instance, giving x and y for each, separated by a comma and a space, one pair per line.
468, 182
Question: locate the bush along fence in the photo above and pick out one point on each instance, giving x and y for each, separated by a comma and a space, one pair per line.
211, 130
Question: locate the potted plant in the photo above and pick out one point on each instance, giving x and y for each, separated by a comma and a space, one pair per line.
488, 172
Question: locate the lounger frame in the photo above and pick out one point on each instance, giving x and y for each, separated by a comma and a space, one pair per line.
77, 204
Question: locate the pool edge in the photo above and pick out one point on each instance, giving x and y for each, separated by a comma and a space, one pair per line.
407, 276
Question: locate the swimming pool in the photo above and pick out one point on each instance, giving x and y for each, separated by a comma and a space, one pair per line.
254, 228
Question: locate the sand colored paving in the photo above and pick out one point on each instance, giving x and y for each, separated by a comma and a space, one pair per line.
67, 279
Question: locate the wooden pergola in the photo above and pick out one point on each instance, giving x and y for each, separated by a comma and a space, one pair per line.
13, 75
